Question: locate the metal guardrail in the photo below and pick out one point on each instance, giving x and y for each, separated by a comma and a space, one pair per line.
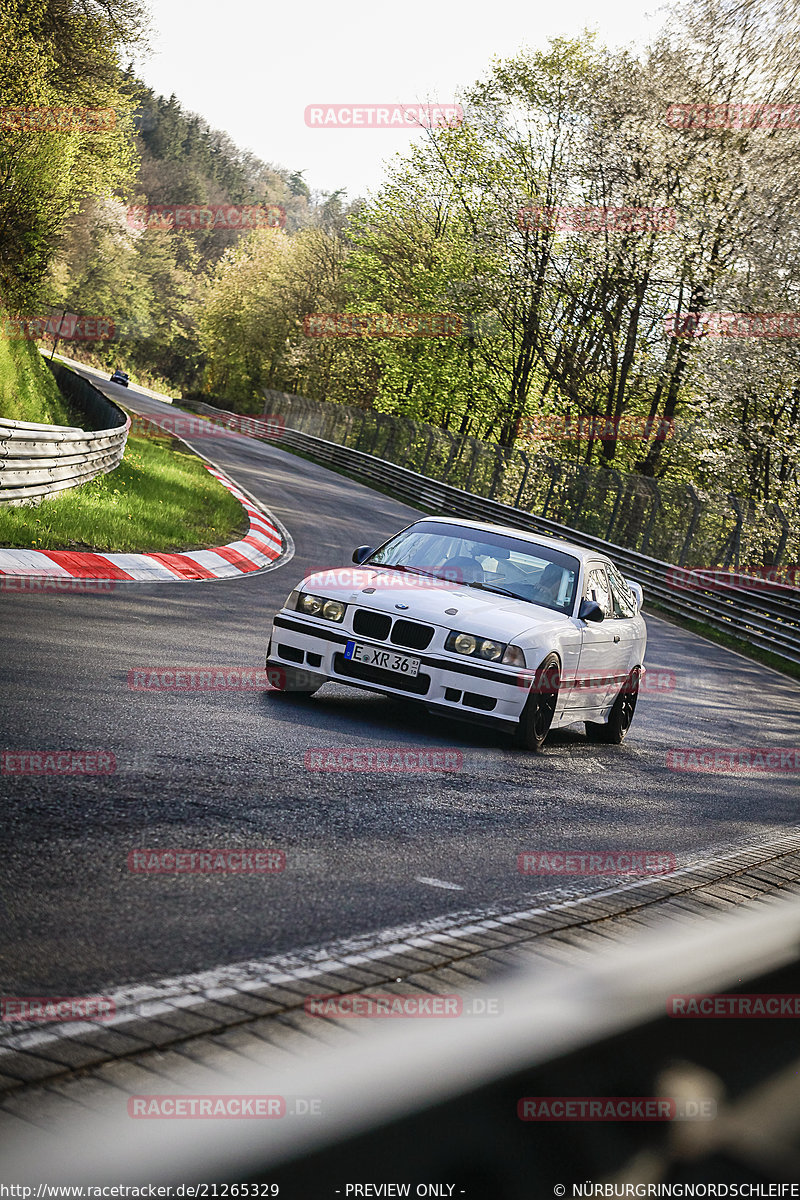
664, 518
38, 460
768, 618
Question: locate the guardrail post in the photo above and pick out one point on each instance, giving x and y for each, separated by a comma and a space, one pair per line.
361, 429
408, 441
451, 456
554, 469
617, 500
476, 449
500, 462
524, 456
656, 505
377, 432
575, 512
697, 506
428, 449
733, 543
779, 513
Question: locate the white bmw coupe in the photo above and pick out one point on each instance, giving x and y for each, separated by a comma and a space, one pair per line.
475, 621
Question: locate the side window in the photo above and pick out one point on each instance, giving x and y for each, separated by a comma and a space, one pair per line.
597, 589
623, 601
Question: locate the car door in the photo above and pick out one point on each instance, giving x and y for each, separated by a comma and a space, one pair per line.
600, 657
627, 622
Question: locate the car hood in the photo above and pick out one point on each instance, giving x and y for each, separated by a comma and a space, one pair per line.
425, 599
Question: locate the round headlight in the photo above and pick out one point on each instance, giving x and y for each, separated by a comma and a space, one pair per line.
311, 605
333, 610
491, 650
465, 644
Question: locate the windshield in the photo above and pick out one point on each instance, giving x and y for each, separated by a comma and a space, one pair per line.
479, 558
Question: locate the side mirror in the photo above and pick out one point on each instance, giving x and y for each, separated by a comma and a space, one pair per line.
636, 588
362, 552
590, 610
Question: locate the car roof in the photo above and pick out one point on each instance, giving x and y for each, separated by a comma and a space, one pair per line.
581, 552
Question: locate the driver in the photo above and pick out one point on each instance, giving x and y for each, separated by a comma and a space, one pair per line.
463, 568
549, 584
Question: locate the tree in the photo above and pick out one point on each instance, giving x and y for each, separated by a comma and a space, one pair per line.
58, 54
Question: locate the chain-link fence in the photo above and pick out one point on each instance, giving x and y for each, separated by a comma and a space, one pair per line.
668, 521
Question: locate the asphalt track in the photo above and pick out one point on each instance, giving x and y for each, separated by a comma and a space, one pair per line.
223, 769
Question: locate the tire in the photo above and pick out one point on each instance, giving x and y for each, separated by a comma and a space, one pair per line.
292, 681
537, 715
614, 731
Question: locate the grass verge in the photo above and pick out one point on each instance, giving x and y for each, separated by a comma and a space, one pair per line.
160, 498
28, 391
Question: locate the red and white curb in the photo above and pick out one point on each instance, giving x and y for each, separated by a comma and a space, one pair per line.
258, 549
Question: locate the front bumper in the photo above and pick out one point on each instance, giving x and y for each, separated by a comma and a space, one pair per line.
487, 693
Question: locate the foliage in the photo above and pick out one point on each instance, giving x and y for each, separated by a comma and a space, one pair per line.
158, 499
58, 54
28, 390
560, 325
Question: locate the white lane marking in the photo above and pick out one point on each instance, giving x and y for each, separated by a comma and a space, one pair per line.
440, 883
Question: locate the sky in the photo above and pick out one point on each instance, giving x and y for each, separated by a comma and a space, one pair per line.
252, 67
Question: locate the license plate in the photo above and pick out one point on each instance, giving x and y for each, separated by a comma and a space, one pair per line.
387, 660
